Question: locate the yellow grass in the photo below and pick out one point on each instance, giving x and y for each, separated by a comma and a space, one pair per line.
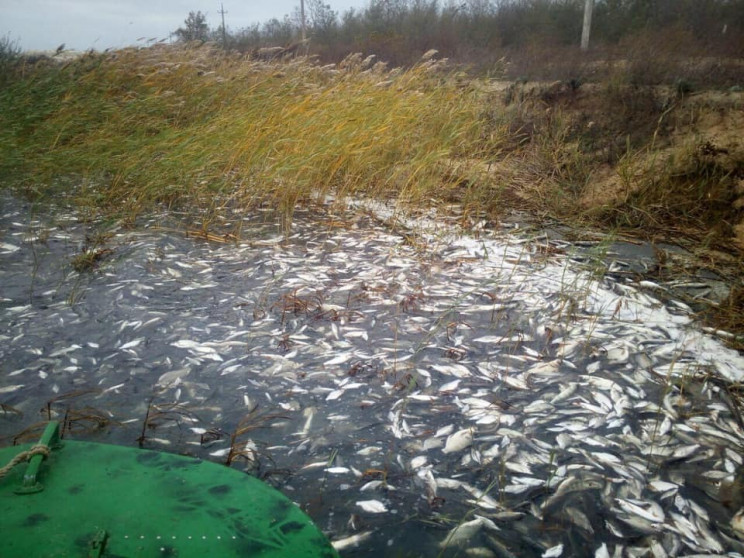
206, 130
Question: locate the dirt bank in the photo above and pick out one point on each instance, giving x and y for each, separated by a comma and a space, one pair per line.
664, 161
662, 164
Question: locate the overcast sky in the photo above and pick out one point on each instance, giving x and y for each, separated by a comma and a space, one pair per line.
101, 24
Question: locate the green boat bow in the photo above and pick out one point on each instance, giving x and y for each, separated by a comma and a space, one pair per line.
99, 500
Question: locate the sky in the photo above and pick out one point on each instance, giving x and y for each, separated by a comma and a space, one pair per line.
102, 24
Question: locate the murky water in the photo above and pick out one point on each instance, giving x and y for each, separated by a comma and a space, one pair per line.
415, 390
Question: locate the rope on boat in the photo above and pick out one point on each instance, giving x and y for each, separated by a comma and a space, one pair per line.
38, 449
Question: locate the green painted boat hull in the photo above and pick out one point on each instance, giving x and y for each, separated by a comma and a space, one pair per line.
112, 501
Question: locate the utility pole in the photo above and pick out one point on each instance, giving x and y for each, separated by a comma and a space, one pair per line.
588, 5
302, 17
224, 33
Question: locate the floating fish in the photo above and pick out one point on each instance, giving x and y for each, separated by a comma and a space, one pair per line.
352, 541
553, 552
464, 532
458, 441
372, 506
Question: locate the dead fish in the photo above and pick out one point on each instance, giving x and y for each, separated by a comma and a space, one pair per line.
737, 523
337, 470
553, 551
564, 394
482, 499
173, 376
9, 248
131, 344
480, 552
425, 478
523, 484
579, 518
66, 350
458, 441
570, 485
315, 465
456, 370
335, 394
372, 506
545, 368
464, 532
369, 450
444, 431
352, 541
418, 462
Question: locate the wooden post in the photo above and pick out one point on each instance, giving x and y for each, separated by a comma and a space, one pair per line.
588, 5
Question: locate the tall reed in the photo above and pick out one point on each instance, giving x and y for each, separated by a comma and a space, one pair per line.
206, 130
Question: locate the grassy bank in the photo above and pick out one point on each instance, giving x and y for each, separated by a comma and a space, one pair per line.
200, 129
215, 134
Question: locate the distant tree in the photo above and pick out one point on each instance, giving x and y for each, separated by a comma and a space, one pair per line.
10, 54
323, 19
218, 35
482, 32
196, 28
280, 32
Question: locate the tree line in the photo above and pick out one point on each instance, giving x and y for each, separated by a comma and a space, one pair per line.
479, 31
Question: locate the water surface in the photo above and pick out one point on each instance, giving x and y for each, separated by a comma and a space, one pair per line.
395, 378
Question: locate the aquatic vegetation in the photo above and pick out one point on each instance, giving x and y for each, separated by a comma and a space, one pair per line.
29, 432
9, 410
295, 302
246, 449
159, 415
89, 259
77, 418
84, 419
